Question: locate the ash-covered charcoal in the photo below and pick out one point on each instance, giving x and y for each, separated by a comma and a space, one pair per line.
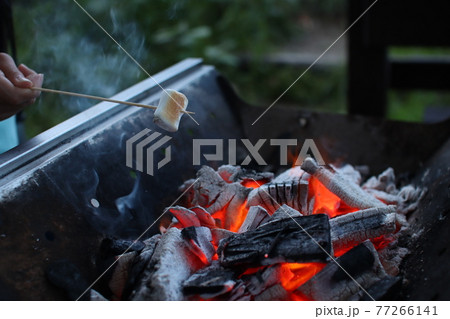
185, 217
384, 182
256, 216
359, 267
354, 228
170, 266
218, 234
284, 212
198, 241
213, 193
204, 217
384, 188
348, 191
279, 241
139, 268
273, 293
350, 172
239, 292
391, 257
290, 188
210, 282
264, 278
120, 273
233, 174
96, 296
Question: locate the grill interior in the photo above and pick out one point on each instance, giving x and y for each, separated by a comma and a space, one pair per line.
47, 184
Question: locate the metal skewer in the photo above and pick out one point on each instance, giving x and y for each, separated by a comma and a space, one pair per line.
93, 97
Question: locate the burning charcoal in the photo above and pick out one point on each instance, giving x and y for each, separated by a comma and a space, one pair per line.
264, 278
261, 197
256, 216
232, 174
279, 241
96, 296
284, 212
199, 242
120, 273
352, 194
169, 267
204, 217
290, 175
218, 234
210, 282
333, 283
290, 188
213, 193
239, 292
354, 228
274, 293
65, 275
310, 209
185, 216
303, 193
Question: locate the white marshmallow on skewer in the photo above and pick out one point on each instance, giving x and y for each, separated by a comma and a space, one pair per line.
171, 107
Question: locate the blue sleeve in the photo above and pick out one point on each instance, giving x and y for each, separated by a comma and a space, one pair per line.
8, 134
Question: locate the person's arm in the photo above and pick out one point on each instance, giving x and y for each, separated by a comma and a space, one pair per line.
14, 86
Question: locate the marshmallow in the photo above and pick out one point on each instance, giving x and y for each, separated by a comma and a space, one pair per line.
170, 109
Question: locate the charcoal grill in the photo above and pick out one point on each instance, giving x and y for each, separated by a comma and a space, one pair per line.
48, 183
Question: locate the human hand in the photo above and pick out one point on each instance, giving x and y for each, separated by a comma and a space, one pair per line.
15, 84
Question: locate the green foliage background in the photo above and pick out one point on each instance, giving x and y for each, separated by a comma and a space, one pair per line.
58, 39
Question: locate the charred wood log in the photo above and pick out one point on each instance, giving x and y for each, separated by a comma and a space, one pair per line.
352, 194
354, 228
334, 281
297, 239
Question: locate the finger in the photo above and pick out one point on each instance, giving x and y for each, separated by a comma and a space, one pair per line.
26, 70
37, 80
12, 95
13, 74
